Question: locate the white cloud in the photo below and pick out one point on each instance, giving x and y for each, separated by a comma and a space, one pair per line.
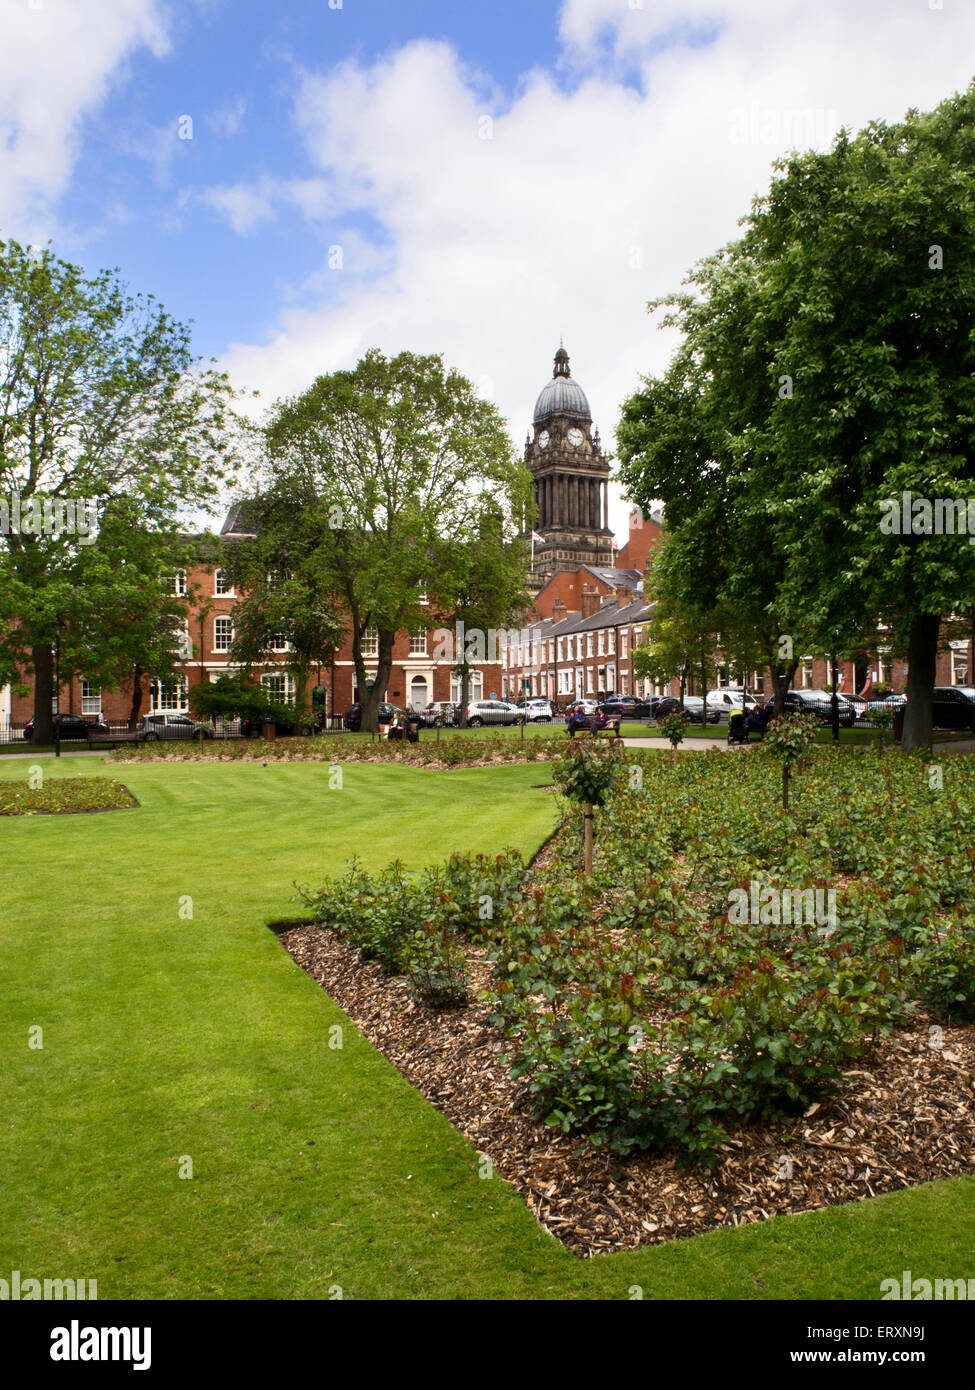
241, 205
57, 61
580, 206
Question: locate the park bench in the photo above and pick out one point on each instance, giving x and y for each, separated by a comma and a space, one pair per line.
116, 736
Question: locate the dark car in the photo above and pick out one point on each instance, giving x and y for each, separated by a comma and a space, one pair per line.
692, 708
158, 726
353, 716
819, 704
69, 726
954, 706
629, 707
695, 710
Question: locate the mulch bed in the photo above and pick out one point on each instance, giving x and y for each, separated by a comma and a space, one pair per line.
905, 1117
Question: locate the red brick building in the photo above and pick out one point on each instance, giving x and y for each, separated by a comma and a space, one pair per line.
419, 674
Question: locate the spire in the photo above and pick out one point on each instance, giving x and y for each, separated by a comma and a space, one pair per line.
561, 362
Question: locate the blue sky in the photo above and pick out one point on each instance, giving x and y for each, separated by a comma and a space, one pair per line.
232, 68
475, 179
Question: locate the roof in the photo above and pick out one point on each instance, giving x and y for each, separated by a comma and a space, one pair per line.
562, 395
240, 520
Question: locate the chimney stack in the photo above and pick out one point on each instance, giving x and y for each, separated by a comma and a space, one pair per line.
589, 601
558, 611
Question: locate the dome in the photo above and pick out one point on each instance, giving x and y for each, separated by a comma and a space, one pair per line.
562, 395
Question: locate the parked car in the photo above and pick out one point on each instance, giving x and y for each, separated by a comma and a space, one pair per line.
624, 707
492, 712
353, 715
587, 707
68, 726
158, 726
693, 709
536, 710
726, 698
442, 711
819, 704
954, 706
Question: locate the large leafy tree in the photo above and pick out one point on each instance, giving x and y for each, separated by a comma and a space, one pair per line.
399, 461
285, 573
846, 317
100, 399
479, 586
126, 621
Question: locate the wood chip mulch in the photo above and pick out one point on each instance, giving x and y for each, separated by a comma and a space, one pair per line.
905, 1117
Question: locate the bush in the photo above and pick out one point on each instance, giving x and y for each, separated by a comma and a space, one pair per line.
946, 972
435, 968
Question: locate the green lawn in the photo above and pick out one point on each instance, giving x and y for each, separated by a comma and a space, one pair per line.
167, 1037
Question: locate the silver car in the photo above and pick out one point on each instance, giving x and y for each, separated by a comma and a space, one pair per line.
492, 712
156, 726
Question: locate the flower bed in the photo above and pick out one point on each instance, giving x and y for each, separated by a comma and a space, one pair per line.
64, 796
729, 970
455, 751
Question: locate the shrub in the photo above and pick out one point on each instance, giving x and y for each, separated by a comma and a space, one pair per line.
435, 968
946, 971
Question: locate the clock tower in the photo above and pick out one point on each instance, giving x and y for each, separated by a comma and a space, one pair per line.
564, 456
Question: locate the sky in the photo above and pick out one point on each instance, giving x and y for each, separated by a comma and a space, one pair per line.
308, 179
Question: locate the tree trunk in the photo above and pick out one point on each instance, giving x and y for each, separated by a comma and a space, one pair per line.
375, 696
136, 704
42, 657
465, 692
781, 680
922, 659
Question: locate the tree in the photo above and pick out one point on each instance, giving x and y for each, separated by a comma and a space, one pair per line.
284, 574
479, 585
125, 620
402, 461
844, 321
100, 398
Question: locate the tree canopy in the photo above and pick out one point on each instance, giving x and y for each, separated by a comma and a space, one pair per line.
402, 467
102, 405
826, 368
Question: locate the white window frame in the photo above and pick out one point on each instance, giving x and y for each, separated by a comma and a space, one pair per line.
225, 620
91, 698
370, 642
418, 642
177, 584
624, 644
277, 642
169, 697
270, 678
476, 687
218, 580
611, 641
601, 642
590, 644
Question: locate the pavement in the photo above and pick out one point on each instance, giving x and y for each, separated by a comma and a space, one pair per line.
701, 744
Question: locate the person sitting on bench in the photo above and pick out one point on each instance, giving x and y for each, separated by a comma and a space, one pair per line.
757, 721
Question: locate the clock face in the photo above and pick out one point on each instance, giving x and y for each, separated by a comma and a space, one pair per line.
543, 439
575, 438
